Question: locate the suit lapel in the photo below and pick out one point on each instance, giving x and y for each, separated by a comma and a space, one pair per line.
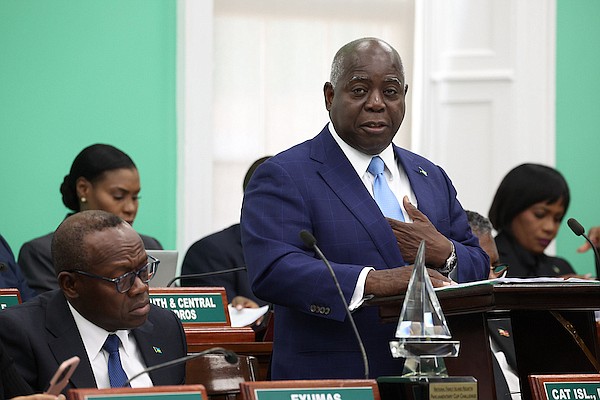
341, 177
420, 182
152, 353
67, 341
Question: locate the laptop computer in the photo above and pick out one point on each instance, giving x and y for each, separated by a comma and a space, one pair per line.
167, 269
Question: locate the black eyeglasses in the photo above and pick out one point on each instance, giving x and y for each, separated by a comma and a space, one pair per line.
126, 281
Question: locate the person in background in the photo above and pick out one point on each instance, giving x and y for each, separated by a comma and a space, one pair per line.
527, 211
220, 251
101, 313
10, 272
504, 362
594, 235
340, 186
102, 177
482, 228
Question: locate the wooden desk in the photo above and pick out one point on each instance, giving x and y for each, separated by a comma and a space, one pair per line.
542, 345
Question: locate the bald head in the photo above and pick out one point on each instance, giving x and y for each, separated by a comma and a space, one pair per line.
68, 249
348, 54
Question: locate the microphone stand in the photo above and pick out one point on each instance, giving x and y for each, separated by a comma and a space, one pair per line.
310, 241
230, 357
203, 274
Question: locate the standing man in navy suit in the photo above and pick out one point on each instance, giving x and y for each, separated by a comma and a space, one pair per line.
103, 273
323, 186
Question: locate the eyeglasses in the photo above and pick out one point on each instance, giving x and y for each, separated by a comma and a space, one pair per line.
126, 281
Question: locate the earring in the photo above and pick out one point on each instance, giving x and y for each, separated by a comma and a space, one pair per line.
83, 199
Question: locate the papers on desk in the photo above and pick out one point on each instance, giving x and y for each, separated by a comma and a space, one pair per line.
517, 280
245, 316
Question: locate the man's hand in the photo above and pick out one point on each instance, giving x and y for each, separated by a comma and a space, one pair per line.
240, 302
409, 236
394, 281
594, 235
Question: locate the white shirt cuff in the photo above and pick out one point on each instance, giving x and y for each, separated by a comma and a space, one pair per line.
358, 297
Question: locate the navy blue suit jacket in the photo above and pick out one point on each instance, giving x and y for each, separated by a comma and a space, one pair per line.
313, 186
10, 273
42, 333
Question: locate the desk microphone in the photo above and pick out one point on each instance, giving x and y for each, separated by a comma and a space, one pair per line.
230, 357
310, 241
579, 231
203, 274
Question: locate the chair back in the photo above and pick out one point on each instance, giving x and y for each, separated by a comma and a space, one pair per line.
220, 378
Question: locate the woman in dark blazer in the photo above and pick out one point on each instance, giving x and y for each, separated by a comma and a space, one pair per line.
102, 177
527, 211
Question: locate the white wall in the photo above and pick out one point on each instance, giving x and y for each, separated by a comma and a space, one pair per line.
481, 98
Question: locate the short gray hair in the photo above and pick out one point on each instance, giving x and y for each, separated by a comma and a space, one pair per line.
339, 60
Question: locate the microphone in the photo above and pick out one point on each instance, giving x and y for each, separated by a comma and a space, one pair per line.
310, 241
578, 230
202, 274
230, 357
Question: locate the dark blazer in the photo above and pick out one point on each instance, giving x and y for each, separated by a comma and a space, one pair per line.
216, 252
10, 273
35, 259
313, 186
11, 383
523, 264
42, 333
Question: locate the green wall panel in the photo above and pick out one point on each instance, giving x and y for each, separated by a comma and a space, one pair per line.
77, 72
578, 120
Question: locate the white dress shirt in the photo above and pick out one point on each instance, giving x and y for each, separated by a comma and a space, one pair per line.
93, 339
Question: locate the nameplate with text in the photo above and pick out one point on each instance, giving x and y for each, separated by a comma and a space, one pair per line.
200, 306
572, 390
565, 386
340, 393
153, 396
9, 298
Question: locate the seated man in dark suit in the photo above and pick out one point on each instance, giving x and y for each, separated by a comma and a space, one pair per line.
220, 251
10, 273
103, 273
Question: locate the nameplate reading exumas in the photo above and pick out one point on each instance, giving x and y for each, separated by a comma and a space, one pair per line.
153, 396
9, 297
338, 393
193, 305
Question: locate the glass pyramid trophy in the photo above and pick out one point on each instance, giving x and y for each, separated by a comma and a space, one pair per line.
422, 332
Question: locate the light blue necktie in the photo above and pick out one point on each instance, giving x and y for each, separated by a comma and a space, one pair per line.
387, 202
116, 374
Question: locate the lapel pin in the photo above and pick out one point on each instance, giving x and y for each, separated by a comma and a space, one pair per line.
157, 350
422, 171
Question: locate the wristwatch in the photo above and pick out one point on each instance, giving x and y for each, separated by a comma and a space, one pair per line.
450, 262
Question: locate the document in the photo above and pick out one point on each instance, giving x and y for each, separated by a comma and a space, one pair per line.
499, 281
245, 316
